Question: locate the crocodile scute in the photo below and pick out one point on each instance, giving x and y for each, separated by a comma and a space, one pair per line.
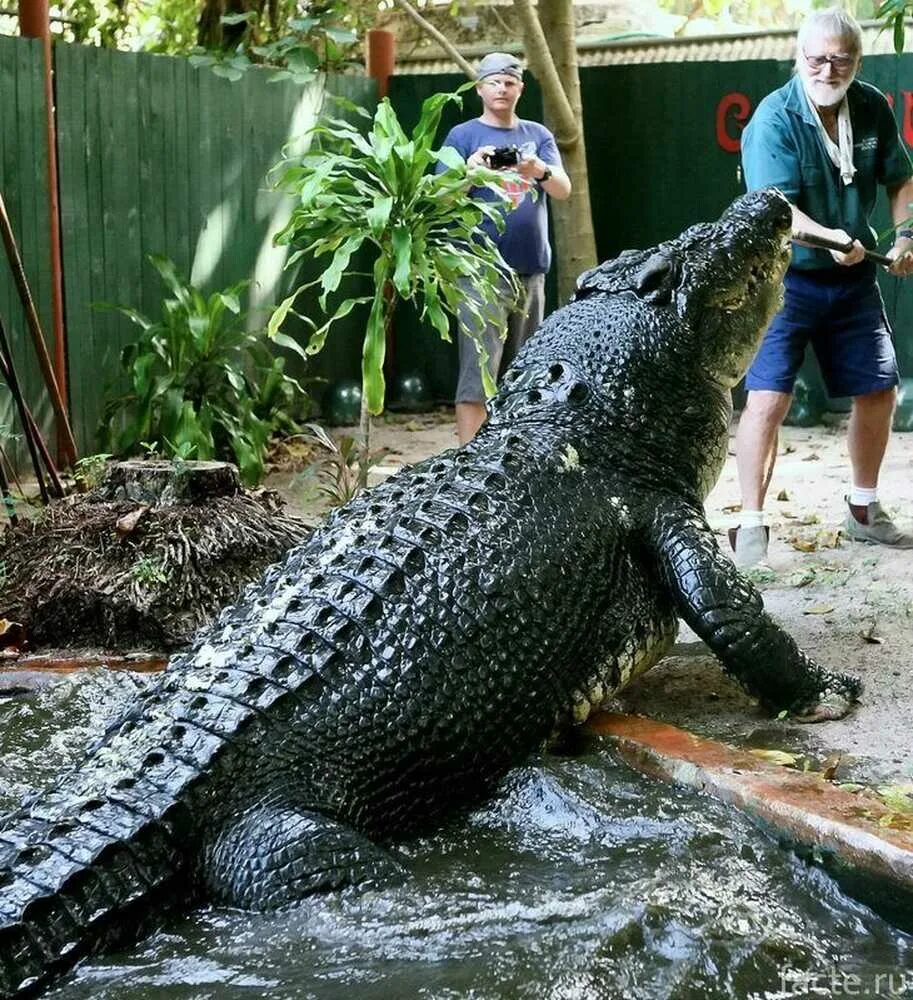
437, 628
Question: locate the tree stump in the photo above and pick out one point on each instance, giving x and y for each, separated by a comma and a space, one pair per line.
162, 484
143, 560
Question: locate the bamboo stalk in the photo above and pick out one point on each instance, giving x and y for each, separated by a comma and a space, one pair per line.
31, 316
16, 392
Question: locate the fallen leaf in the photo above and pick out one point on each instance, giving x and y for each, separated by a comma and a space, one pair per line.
804, 544
818, 609
781, 757
813, 457
789, 449
868, 635
829, 770
731, 508
809, 519
412, 425
898, 798
12, 634
851, 786
783, 496
127, 524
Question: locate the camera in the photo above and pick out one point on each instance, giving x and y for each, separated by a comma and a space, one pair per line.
503, 156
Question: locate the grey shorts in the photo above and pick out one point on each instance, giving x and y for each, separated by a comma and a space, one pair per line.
520, 326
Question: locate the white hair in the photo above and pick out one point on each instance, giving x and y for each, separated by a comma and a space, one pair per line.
834, 22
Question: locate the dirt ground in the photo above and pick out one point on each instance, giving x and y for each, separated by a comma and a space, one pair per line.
848, 605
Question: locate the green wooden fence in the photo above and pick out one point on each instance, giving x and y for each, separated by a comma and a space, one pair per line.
23, 169
155, 156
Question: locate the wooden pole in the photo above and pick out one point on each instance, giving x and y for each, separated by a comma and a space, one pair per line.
9, 370
35, 23
380, 58
31, 316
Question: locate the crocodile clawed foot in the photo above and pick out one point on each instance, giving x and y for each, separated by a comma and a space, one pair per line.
833, 702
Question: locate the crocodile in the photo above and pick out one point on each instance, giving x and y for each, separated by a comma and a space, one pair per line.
438, 628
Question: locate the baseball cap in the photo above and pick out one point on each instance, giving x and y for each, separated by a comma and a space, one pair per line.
496, 63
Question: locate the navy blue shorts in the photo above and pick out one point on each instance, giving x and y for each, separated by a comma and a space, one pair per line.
841, 312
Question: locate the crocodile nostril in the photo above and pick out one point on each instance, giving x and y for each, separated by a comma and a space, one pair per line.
555, 372
579, 392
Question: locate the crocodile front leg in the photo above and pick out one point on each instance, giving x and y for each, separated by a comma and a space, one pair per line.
727, 612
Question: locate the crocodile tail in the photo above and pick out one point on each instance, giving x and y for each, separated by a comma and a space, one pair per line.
78, 874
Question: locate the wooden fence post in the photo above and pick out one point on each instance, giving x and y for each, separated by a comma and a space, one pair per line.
34, 23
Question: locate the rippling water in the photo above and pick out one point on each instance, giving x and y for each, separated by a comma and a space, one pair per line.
583, 880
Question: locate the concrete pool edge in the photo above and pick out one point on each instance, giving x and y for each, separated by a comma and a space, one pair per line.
849, 833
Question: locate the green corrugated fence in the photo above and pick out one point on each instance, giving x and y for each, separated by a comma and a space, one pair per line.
662, 143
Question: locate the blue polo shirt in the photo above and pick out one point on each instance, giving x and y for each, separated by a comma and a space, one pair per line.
782, 147
524, 242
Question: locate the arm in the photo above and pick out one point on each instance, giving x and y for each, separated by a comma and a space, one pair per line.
803, 223
900, 197
557, 186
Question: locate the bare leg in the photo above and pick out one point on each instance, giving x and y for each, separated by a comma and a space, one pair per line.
756, 443
868, 433
469, 418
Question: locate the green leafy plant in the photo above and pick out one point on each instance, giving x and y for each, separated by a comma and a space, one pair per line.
148, 571
298, 47
89, 471
892, 14
376, 191
338, 468
200, 385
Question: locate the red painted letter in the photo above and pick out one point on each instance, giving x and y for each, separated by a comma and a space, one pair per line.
737, 106
906, 128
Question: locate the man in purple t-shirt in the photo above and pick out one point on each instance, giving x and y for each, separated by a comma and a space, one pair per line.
524, 242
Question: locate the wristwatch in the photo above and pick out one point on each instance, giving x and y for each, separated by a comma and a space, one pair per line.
546, 176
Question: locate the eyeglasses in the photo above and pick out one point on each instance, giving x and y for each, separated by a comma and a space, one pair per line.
839, 63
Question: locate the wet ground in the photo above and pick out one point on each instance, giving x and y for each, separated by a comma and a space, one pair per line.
583, 880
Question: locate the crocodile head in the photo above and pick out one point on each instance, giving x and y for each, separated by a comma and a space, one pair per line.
712, 290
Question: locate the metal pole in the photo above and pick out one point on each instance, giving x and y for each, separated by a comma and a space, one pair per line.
34, 23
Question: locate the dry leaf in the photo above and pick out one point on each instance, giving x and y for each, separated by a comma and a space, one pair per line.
804, 544
12, 634
898, 798
783, 496
126, 524
780, 757
731, 508
868, 635
818, 609
813, 457
831, 763
789, 449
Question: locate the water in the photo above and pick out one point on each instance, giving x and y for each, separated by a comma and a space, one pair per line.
583, 880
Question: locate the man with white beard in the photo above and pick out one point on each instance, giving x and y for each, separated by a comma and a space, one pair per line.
827, 140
